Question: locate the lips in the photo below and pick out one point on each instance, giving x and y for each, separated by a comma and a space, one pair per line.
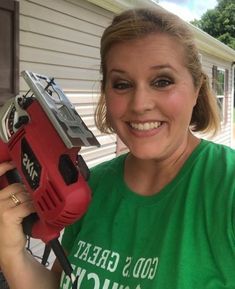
145, 126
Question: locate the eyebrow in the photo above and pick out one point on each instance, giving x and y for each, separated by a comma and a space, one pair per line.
117, 70
154, 67
162, 66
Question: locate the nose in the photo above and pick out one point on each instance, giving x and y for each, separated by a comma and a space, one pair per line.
142, 100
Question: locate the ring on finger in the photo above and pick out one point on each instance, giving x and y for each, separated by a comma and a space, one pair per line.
14, 199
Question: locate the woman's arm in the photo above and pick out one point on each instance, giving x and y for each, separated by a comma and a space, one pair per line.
24, 271
19, 267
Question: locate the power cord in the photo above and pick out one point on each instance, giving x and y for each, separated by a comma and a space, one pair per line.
44, 258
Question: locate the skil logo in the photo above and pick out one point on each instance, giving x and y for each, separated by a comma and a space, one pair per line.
30, 165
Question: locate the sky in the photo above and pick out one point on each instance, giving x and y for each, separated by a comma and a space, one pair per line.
188, 9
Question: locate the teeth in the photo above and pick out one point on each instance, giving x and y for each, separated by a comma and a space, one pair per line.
146, 125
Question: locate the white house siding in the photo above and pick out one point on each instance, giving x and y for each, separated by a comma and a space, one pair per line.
61, 39
208, 60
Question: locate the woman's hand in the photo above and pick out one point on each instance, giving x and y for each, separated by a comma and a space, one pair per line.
15, 204
19, 267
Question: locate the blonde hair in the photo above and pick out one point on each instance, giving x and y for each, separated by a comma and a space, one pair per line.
137, 23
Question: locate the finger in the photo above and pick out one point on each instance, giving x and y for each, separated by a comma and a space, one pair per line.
19, 198
16, 199
11, 230
13, 188
15, 215
6, 166
23, 210
13, 196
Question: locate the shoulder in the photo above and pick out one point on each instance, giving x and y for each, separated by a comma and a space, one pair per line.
220, 152
107, 170
109, 166
217, 161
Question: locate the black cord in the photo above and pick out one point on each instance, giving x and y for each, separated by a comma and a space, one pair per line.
46, 253
62, 258
59, 253
43, 260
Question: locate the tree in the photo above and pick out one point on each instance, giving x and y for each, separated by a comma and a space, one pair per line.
220, 22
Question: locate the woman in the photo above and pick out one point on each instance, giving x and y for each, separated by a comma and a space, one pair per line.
161, 215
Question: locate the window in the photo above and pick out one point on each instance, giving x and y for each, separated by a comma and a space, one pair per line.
220, 87
9, 51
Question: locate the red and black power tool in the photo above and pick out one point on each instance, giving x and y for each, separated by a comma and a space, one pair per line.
42, 134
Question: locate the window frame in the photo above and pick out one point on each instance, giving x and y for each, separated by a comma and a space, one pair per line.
10, 9
222, 99
220, 87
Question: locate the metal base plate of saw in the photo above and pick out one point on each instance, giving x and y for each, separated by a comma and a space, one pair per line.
59, 109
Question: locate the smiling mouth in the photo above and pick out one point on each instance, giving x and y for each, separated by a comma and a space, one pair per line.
146, 126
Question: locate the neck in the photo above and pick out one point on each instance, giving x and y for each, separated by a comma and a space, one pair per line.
148, 177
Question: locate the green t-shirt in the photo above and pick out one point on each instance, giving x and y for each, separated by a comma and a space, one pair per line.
180, 238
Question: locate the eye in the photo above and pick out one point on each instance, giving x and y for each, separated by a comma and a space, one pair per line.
121, 85
162, 82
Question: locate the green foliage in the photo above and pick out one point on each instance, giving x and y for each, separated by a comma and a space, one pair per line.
220, 22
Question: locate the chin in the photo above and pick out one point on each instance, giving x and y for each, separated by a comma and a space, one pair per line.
145, 154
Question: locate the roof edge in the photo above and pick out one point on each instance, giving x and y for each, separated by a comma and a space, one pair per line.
117, 6
204, 41
209, 44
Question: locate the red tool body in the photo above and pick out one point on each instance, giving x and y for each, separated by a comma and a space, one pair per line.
48, 166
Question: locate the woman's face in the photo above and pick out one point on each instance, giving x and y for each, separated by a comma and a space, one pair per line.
150, 95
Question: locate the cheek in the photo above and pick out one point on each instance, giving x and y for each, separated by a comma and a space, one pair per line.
175, 104
181, 105
116, 106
